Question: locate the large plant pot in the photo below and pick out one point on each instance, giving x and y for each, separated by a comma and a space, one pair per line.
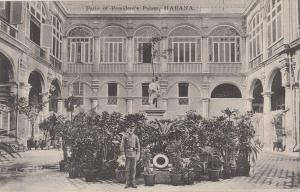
243, 170
120, 175
227, 172
149, 179
214, 174
62, 166
176, 179
73, 172
233, 171
198, 174
90, 175
189, 178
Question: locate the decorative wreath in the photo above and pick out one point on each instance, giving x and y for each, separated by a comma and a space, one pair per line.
160, 161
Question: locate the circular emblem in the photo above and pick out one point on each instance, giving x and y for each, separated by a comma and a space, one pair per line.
160, 161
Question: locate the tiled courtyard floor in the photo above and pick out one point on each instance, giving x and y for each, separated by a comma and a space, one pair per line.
275, 171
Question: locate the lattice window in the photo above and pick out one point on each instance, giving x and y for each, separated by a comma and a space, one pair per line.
56, 37
183, 93
145, 94
112, 94
113, 50
80, 45
255, 36
274, 21
224, 45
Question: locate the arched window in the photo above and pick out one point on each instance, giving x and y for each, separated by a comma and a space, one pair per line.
255, 36
56, 37
80, 45
38, 17
274, 20
185, 43
224, 45
113, 45
226, 91
143, 44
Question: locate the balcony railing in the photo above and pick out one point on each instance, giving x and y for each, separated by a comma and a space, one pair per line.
146, 68
256, 62
36, 49
6, 28
56, 64
275, 48
80, 68
112, 67
258, 107
225, 67
184, 67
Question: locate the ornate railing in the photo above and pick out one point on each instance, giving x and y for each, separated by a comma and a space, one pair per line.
274, 48
225, 67
183, 101
184, 67
56, 64
112, 67
146, 68
145, 101
256, 61
80, 68
112, 100
6, 28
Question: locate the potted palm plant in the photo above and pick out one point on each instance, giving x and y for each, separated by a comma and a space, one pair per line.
149, 176
176, 170
248, 150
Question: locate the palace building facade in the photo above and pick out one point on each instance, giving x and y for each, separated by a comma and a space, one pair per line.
211, 55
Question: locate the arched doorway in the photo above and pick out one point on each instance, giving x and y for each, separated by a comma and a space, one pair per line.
35, 93
55, 94
278, 93
258, 99
35, 100
7, 117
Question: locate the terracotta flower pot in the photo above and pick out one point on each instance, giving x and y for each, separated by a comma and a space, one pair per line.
176, 179
214, 174
149, 179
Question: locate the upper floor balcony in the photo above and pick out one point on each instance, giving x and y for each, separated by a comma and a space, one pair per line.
8, 29
185, 68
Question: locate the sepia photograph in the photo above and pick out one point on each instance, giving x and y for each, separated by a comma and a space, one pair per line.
150, 96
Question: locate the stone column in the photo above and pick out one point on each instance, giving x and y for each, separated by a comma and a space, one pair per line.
204, 54
267, 101
164, 60
129, 103
95, 104
24, 90
97, 55
249, 104
130, 53
205, 107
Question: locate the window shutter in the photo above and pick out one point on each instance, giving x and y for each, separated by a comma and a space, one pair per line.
16, 12
46, 36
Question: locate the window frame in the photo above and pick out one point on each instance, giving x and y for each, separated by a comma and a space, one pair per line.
80, 94
256, 36
105, 54
178, 40
145, 99
274, 18
57, 37
112, 99
183, 100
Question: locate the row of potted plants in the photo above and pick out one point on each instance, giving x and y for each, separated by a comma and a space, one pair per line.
196, 146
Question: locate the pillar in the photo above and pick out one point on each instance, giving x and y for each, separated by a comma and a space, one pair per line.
60, 106
205, 107
204, 54
249, 104
95, 104
267, 101
164, 60
97, 56
129, 106
130, 53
